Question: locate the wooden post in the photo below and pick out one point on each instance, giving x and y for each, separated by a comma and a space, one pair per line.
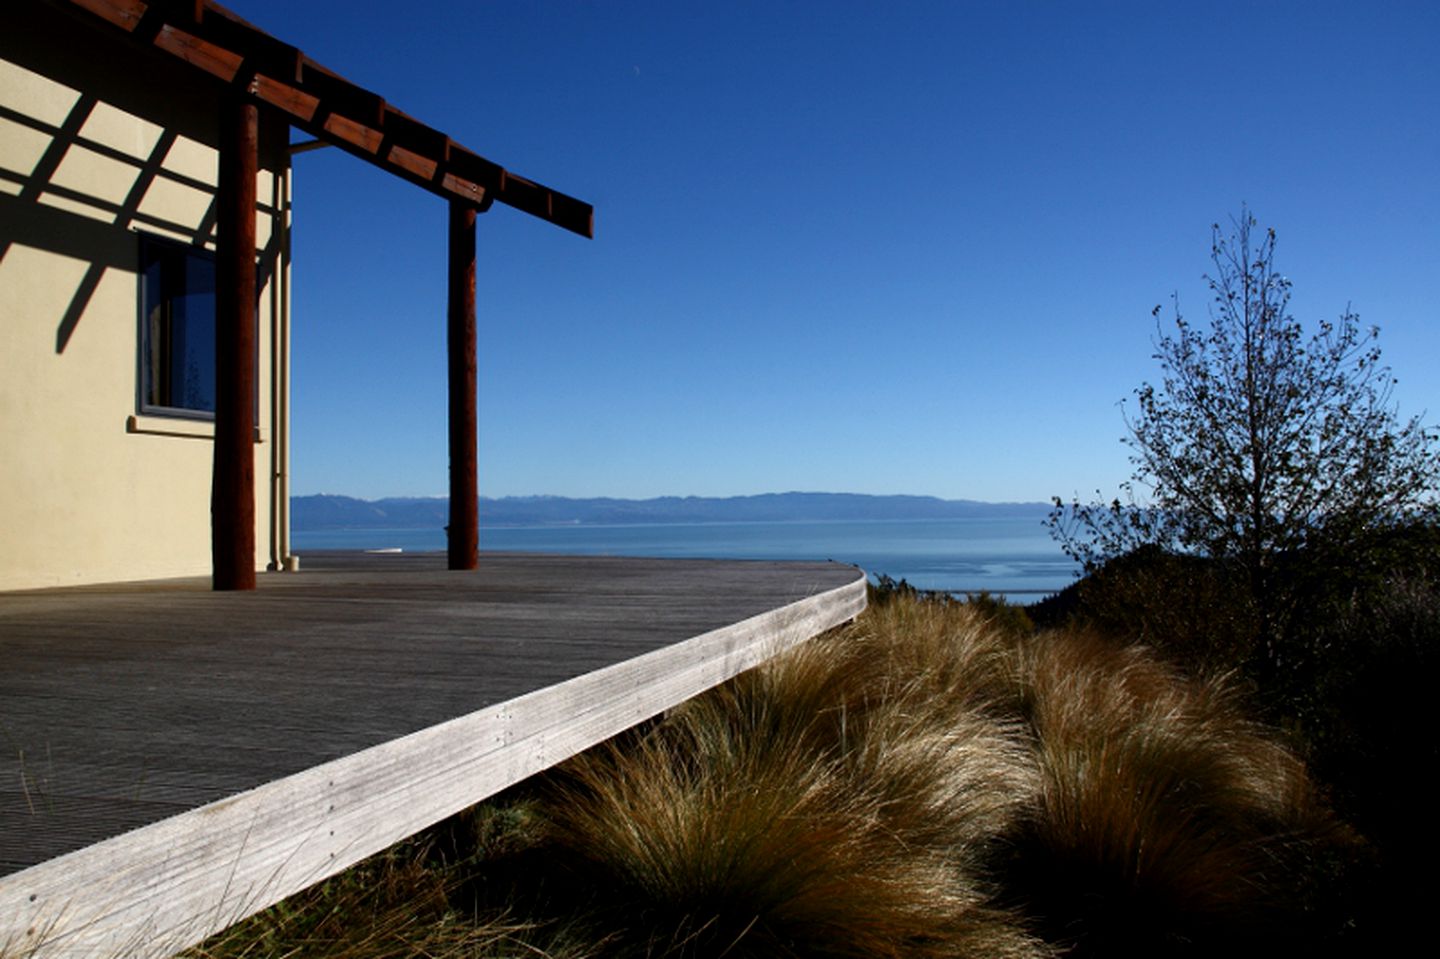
464, 528
232, 491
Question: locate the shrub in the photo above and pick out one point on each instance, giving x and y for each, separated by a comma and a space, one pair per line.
1362, 701
1187, 608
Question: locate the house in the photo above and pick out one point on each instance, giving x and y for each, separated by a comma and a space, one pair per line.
145, 188
207, 754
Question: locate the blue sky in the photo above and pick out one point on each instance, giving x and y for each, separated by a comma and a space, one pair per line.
863, 247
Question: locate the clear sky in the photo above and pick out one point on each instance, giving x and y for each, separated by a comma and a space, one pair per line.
865, 247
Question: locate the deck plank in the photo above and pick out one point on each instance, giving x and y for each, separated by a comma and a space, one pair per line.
264, 740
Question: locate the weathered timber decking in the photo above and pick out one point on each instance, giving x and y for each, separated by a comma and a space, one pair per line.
191, 756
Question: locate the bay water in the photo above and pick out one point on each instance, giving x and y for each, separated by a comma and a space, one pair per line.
1010, 555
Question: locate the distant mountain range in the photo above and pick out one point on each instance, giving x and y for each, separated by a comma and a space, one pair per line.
325, 511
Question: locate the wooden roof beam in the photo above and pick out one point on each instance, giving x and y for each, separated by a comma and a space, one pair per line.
414, 147
522, 194
326, 105
466, 171
262, 52
146, 20
124, 14
223, 64
340, 95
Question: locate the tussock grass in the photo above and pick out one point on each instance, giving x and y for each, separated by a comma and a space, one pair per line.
395, 905
1167, 821
827, 803
926, 782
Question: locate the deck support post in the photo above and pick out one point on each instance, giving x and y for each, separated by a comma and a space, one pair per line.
464, 529
232, 490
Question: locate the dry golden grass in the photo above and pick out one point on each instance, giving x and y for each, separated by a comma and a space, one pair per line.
830, 802
1166, 821
395, 905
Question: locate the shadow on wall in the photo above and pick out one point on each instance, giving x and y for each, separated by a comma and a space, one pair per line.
80, 174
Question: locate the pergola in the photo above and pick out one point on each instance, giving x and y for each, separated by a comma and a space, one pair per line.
258, 72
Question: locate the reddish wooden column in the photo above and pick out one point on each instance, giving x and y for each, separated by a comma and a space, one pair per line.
232, 490
464, 486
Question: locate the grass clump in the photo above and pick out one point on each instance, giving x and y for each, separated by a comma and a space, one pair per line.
828, 803
395, 905
1168, 823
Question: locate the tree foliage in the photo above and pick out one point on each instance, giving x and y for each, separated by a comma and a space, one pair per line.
1260, 445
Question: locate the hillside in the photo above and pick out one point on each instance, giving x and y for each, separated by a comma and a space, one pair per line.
325, 511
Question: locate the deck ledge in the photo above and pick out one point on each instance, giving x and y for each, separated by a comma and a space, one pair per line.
158, 889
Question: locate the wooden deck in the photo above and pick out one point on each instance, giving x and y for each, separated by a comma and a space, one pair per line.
172, 759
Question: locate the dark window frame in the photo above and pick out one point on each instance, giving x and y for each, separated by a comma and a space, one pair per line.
164, 263
168, 261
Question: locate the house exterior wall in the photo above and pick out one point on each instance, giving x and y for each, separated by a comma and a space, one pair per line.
99, 143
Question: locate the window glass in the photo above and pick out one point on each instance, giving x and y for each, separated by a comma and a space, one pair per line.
177, 329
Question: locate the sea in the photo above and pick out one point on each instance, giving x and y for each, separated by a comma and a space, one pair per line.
1010, 556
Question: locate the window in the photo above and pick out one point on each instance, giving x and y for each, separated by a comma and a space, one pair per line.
177, 329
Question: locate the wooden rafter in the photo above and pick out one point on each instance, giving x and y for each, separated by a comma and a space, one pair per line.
215, 41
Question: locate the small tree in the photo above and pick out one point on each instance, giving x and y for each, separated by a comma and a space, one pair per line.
1259, 447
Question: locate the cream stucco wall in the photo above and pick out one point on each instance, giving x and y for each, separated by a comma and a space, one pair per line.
94, 150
